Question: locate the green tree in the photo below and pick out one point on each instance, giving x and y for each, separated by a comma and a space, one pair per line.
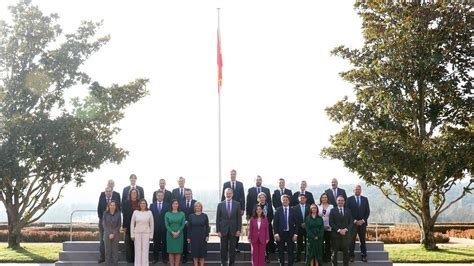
409, 128
47, 141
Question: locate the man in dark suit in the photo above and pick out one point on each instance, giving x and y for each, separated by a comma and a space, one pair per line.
276, 197
186, 206
360, 211
167, 194
301, 210
133, 184
335, 192
159, 208
252, 196
340, 220
239, 196
268, 212
105, 198
178, 193
228, 225
285, 230
309, 196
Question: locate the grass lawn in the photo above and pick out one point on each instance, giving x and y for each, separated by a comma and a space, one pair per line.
31, 252
414, 254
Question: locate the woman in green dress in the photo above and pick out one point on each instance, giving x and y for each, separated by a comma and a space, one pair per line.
174, 223
315, 234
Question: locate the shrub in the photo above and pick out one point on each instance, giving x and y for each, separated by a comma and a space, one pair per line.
461, 233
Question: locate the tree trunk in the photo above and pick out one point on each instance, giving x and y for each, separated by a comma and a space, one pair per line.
427, 222
14, 232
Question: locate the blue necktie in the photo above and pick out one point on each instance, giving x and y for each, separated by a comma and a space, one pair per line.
258, 190
285, 224
358, 202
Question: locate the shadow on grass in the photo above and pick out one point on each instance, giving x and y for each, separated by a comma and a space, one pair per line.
34, 257
457, 252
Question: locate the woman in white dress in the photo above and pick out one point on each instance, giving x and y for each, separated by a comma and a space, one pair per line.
324, 208
141, 231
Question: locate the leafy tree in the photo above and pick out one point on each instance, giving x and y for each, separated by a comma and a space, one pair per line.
45, 141
409, 128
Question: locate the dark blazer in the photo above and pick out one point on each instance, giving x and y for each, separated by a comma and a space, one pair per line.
177, 195
159, 217
300, 217
276, 198
255, 234
225, 224
359, 212
252, 199
167, 197
102, 205
332, 200
126, 190
336, 221
279, 221
269, 214
239, 194
127, 212
295, 201
187, 211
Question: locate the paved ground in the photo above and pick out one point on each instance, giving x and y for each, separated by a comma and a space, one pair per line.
395, 264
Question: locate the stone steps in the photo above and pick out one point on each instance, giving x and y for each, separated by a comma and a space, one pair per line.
86, 253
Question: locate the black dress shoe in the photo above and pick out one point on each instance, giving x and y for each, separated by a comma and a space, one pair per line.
364, 258
185, 259
267, 259
297, 260
351, 259
237, 250
100, 260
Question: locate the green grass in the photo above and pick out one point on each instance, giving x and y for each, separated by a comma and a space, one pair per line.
416, 254
31, 252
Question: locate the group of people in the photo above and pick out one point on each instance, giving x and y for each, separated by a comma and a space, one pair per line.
275, 222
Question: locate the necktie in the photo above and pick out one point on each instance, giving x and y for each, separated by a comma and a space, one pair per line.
265, 210
341, 212
181, 192
228, 208
334, 191
282, 192
285, 224
358, 202
302, 211
233, 186
159, 207
258, 190
189, 205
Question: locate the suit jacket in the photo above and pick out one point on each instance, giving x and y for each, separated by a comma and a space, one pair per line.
239, 194
167, 196
279, 221
337, 221
252, 199
126, 191
299, 214
226, 224
295, 201
258, 235
187, 211
359, 212
177, 195
127, 211
276, 198
102, 205
159, 217
332, 200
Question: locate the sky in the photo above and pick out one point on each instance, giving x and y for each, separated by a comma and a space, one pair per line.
278, 77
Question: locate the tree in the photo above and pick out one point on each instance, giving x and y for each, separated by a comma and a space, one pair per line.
47, 141
409, 128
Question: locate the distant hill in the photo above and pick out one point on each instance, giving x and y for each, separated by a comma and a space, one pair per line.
382, 210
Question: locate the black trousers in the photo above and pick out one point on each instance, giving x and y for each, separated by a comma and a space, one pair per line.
271, 239
159, 244
286, 238
301, 243
185, 242
358, 230
228, 242
327, 246
342, 244
129, 247
101, 239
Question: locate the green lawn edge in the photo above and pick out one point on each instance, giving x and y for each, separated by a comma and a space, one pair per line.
31, 253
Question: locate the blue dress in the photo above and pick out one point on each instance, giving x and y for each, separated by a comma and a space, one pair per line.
198, 230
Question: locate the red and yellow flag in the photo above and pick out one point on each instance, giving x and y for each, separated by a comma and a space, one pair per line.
219, 62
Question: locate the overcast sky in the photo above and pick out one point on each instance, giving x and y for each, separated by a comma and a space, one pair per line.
278, 77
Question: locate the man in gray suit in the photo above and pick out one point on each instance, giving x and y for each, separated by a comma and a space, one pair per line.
228, 224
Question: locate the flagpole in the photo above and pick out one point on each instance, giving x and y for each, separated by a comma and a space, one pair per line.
219, 118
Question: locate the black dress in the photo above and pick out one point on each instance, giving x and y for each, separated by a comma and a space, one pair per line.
198, 230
